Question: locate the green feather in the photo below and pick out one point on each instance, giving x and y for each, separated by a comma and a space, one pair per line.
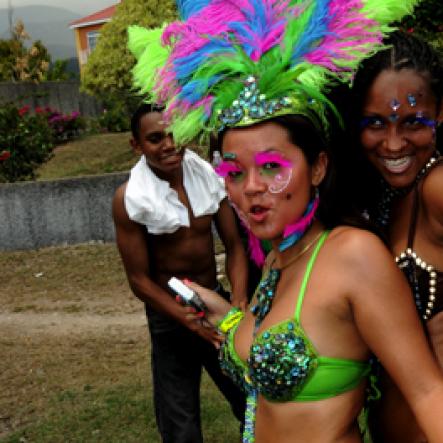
151, 56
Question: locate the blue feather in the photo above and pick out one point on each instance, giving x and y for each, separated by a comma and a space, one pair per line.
187, 8
258, 26
195, 90
316, 29
185, 67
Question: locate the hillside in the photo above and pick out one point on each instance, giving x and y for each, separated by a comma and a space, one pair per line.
46, 23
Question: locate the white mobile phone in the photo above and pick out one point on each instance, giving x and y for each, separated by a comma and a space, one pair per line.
189, 296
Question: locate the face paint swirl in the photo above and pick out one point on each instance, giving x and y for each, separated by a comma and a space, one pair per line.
273, 170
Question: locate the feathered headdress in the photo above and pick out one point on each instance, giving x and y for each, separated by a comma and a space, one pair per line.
234, 62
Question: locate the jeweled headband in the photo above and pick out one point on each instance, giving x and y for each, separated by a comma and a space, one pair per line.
230, 63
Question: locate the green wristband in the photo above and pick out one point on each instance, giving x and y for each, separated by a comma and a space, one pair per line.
230, 319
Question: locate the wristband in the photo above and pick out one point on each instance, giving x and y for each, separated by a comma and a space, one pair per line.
230, 320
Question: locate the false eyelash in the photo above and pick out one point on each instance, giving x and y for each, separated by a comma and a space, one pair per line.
268, 157
224, 168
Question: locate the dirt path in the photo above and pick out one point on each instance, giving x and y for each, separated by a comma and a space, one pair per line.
67, 320
68, 323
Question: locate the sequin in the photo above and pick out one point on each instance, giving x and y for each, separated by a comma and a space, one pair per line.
412, 100
395, 104
393, 117
284, 366
252, 105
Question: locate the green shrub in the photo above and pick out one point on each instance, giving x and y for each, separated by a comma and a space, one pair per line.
116, 116
26, 141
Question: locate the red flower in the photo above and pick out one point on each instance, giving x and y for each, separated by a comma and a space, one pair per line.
24, 110
4, 155
410, 30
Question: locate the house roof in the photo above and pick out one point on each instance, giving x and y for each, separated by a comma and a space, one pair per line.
102, 16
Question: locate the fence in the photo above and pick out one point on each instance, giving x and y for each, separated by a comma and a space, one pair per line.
62, 96
48, 213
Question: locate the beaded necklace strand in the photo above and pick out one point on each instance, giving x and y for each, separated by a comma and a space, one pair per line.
265, 297
389, 194
406, 259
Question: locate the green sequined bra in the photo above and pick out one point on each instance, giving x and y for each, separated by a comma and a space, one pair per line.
283, 365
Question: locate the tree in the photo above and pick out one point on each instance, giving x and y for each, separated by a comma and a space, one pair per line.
427, 21
59, 71
19, 63
109, 66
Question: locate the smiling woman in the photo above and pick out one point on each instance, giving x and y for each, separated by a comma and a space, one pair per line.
398, 133
398, 97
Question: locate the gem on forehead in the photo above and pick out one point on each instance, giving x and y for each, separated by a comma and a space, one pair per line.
412, 100
395, 104
393, 117
419, 114
229, 156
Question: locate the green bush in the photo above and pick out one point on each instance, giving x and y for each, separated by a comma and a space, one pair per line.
26, 141
116, 116
427, 22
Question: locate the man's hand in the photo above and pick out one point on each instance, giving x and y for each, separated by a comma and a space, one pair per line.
197, 323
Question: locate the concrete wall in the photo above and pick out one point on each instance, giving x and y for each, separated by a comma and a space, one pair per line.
62, 96
48, 213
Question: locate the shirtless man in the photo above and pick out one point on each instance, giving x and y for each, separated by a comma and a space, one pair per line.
163, 217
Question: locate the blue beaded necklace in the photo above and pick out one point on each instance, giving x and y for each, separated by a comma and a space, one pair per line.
265, 296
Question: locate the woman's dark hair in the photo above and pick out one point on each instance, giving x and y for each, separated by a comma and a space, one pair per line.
405, 51
333, 208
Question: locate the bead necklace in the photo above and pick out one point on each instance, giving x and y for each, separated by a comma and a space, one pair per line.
266, 289
265, 297
389, 194
404, 261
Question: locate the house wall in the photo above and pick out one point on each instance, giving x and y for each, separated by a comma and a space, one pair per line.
83, 34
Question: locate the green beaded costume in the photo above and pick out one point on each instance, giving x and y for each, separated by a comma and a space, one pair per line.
283, 365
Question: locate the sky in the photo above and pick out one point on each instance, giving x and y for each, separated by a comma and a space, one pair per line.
82, 7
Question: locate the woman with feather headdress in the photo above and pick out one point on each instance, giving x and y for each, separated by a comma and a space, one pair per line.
257, 73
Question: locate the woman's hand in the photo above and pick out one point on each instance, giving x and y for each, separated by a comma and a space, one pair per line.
217, 306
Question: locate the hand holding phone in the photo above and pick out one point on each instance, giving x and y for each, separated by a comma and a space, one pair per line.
188, 296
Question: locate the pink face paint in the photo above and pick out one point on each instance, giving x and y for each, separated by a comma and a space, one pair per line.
272, 157
225, 168
275, 170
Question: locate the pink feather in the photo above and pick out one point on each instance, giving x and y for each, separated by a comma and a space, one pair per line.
301, 224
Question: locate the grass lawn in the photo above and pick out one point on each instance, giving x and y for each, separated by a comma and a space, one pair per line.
90, 155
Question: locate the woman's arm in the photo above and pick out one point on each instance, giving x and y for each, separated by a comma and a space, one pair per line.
386, 317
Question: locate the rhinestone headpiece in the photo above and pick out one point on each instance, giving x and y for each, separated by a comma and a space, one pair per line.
252, 106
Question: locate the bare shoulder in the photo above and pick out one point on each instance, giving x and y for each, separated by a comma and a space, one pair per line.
433, 192
118, 204
357, 246
360, 253
366, 267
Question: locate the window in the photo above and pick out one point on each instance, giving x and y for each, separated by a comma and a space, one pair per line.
92, 40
